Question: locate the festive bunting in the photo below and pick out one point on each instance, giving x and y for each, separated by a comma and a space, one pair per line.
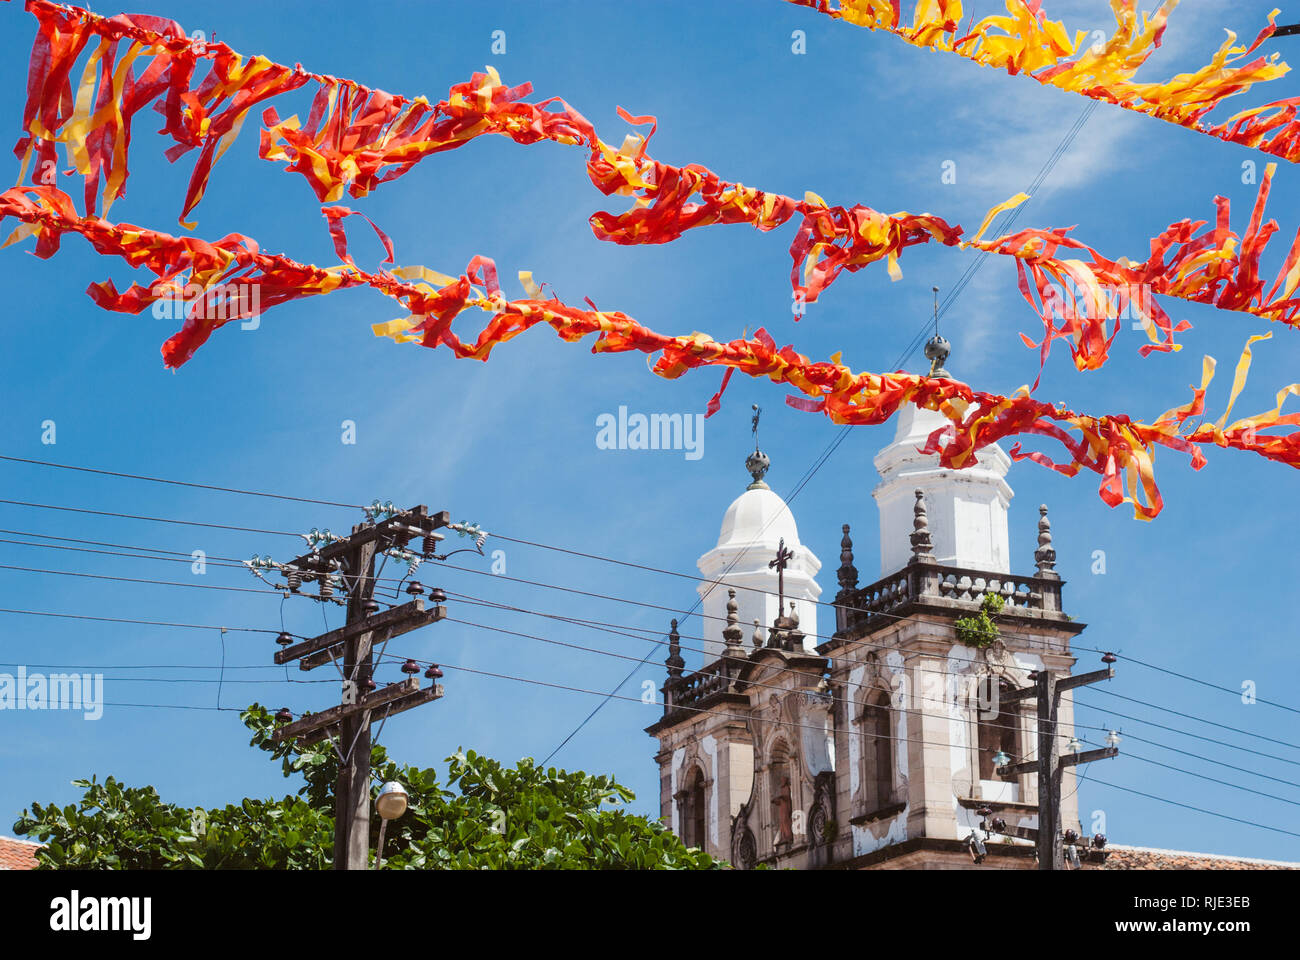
1118, 449
94, 122
356, 138
1028, 42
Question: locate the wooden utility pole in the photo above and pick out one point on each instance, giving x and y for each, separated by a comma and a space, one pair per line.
1047, 691
351, 560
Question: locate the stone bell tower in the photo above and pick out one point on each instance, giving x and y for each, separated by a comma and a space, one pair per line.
746, 753
920, 730
877, 745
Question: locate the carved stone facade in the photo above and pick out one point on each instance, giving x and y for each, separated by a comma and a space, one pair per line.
759, 731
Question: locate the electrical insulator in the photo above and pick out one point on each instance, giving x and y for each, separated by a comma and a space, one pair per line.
284, 639
438, 595
295, 579
369, 685
430, 544
415, 588
410, 667
283, 715
326, 588
370, 606
433, 673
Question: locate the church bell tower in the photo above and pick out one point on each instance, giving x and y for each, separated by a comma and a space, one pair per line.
877, 743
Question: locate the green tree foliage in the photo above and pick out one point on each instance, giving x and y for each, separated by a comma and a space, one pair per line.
486, 816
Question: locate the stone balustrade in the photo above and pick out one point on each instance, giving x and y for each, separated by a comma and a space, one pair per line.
922, 582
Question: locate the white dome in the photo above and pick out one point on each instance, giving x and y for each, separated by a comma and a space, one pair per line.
758, 517
754, 524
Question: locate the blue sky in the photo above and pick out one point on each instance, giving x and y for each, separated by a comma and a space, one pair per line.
861, 118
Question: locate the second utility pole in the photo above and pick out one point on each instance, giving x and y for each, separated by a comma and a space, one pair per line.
1047, 691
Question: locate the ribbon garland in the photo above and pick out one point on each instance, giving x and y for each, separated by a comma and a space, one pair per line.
1026, 42
1120, 450
357, 138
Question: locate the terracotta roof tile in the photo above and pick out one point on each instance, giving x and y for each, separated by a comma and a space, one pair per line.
1143, 858
17, 854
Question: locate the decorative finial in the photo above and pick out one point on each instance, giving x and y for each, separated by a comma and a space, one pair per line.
757, 639
757, 463
732, 632
1045, 555
921, 544
675, 661
848, 573
792, 637
937, 348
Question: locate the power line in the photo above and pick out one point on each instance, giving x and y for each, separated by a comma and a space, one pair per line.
640, 662
627, 657
1204, 683
1186, 733
1211, 760
772, 593
182, 483
147, 666
714, 583
1075, 726
165, 583
752, 683
132, 516
617, 630
181, 556
1010, 217
1188, 806
789, 723
149, 623
847, 700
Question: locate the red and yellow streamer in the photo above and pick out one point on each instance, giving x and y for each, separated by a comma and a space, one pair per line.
355, 138
1026, 42
1118, 449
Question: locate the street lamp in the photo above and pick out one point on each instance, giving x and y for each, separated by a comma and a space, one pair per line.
390, 804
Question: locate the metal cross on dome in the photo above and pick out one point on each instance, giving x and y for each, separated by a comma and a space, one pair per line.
783, 557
